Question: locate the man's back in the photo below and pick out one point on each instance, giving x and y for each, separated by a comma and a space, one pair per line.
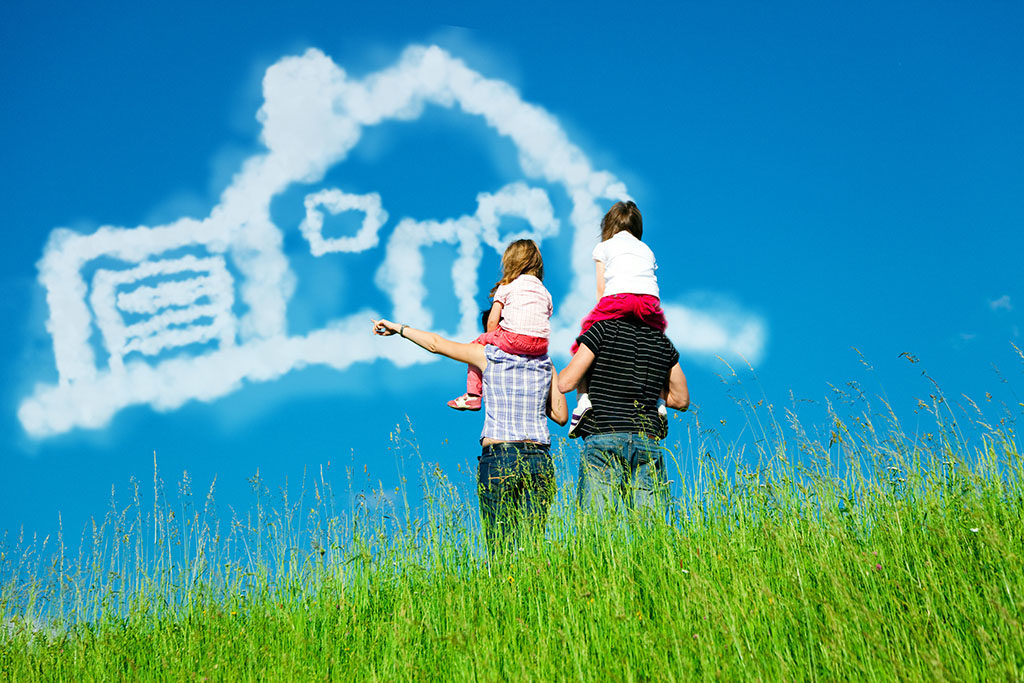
631, 364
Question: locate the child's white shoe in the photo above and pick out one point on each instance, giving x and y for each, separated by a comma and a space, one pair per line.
662, 407
583, 407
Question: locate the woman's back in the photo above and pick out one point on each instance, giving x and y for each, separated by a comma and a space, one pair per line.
515, 396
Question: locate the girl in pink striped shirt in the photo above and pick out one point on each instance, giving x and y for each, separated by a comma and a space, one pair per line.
520, 317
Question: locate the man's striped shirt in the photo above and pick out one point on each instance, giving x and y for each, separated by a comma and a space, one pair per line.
631, 365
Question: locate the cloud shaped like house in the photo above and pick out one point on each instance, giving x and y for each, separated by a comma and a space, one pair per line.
153, 295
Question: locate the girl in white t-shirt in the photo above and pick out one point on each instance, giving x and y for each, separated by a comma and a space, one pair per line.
520, 317
626, 284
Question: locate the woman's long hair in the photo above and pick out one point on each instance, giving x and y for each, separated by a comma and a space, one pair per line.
522, 257
622, 216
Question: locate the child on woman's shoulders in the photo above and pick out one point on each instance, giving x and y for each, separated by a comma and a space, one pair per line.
520, 318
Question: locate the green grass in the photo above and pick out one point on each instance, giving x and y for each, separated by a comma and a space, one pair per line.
870, 553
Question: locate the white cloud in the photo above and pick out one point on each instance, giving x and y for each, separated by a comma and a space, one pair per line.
223, 281
706, 332
336, 201
1001, 304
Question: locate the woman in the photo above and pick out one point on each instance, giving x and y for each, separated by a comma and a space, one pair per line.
516, 477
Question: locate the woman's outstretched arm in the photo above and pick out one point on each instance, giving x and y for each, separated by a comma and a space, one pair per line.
472, 354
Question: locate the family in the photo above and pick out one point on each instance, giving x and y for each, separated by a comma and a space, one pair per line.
624, 369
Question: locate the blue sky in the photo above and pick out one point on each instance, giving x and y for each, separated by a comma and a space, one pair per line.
834, 176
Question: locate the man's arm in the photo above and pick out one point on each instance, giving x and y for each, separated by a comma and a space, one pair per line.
557, 408
570, 377
678, 394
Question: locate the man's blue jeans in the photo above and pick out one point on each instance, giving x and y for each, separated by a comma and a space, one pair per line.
626, 467
516, 485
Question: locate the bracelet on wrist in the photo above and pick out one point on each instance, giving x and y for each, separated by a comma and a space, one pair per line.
401, 330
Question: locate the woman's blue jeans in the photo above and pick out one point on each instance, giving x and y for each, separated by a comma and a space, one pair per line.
516, 485
626, 467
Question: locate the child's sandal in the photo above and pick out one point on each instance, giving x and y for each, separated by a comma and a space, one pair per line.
465, 402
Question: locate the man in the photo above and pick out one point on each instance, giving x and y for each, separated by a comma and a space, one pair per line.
627, 363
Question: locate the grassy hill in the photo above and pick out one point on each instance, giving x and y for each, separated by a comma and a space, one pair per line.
872, 554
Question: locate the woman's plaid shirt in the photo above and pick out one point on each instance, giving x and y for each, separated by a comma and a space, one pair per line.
515, 396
